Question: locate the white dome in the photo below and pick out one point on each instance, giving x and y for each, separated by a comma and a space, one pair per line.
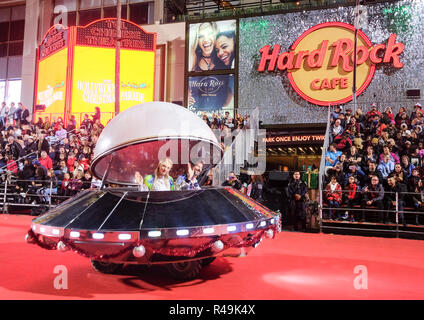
143, 134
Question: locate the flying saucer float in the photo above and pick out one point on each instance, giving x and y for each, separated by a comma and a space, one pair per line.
184, 230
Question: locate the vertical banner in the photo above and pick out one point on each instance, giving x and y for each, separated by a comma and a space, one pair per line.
51, 81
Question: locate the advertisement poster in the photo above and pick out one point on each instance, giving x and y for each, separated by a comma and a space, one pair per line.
94, 79
212, 45
211, 94
51, 85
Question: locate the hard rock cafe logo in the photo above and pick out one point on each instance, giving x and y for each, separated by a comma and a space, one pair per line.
319, 64
209, 85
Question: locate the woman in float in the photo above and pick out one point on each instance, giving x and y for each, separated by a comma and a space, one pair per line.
188, 181
160, 180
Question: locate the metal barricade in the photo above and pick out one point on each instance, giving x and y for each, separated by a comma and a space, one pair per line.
27, 199
387, 226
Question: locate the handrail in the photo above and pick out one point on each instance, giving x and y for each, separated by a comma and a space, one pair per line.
321, 174
383, 213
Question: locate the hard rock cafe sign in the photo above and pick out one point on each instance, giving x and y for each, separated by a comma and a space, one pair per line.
319, 64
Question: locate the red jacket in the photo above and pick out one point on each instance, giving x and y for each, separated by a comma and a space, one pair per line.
70, 164
351, 188
12, 166
47, 162
335, 195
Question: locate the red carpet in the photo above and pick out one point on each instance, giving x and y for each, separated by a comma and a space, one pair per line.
292, 266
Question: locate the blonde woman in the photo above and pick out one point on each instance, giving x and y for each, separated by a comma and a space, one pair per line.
202, 51
160, 180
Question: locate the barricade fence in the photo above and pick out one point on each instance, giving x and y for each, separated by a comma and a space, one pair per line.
394, 209
44, 194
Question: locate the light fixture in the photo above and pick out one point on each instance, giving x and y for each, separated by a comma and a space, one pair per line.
124, 236
74, 234
182, 232
249, 226
154, 234
231, 228
98, 236
208, 230
55, 232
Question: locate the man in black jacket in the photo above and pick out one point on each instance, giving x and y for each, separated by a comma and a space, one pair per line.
297, 193
394, 187
373, 197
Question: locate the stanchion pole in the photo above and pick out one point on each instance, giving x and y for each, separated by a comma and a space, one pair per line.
397, 215
50, 197
4, 198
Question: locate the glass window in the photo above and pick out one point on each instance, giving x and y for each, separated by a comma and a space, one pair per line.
4, 14
18, 13
3, 68
139, 13
4, 31
72, 18
89, 4
2, 90
71, 5
14, 67
14, 91
112, 2
16, 48
3, 50
17, 30
138, 1
110, 12
87, 16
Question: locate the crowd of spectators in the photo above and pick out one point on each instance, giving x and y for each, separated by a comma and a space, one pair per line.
375, 163
46, 157
227, 125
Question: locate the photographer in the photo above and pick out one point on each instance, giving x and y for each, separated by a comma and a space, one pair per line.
232, 181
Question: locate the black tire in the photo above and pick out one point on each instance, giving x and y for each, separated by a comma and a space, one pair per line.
106, 267
208, 261
184, 270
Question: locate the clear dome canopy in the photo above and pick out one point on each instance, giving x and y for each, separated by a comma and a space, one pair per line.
139, 137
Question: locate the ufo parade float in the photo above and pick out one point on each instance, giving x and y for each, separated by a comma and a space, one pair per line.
182, 230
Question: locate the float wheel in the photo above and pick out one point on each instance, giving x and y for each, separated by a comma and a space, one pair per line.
184, 270
106, 267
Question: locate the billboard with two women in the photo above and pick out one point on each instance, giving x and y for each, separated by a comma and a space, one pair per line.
212, 48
